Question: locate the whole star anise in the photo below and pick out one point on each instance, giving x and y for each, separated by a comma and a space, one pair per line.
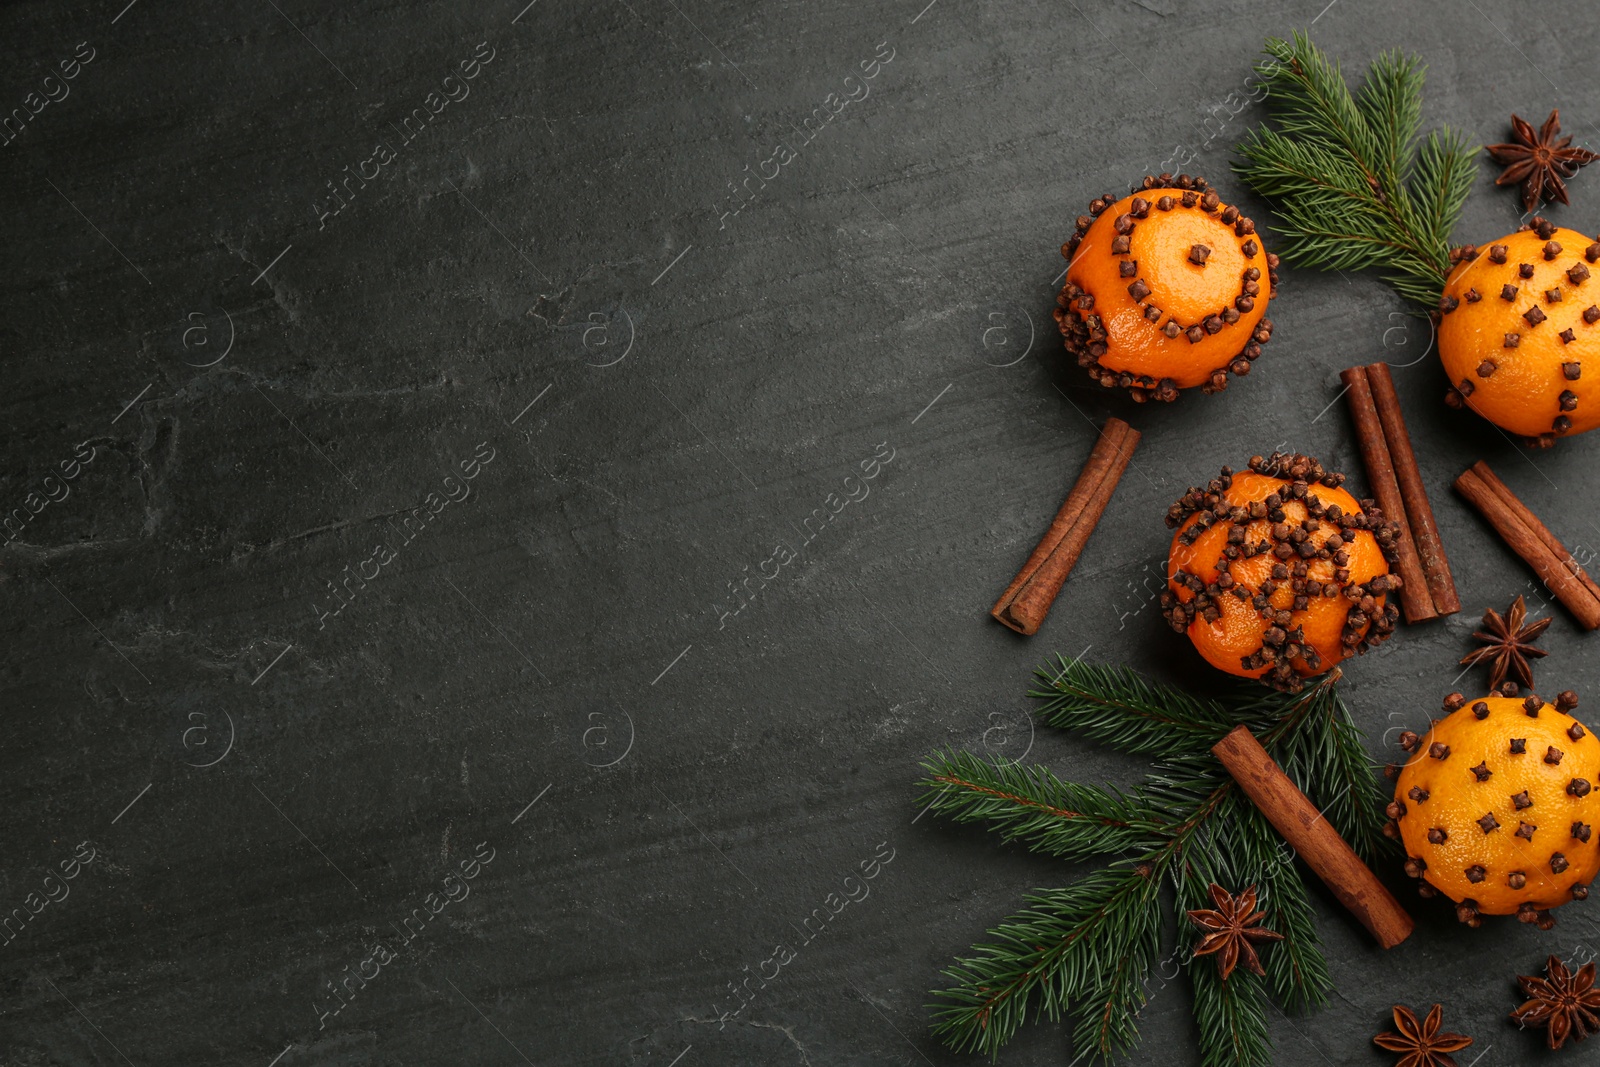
1508, 645
1564, 1002
1230, 929
1422, 1043
1538, 160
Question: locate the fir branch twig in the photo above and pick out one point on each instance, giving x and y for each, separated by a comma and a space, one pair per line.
1118, 707
1030, 804
1342, 171
1087, 950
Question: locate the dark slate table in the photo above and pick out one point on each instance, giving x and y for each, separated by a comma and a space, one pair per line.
468, 577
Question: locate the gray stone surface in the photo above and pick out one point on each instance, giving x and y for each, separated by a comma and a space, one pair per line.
545, 270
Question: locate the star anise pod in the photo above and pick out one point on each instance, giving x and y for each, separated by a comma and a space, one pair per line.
1230, 929
1508, 645
1422, 1043
1538, 160
1564, 1002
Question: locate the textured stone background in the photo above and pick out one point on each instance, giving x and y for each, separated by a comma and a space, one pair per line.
545, 269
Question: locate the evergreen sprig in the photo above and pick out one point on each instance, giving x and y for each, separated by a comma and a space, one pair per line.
1087, 951
1351, 188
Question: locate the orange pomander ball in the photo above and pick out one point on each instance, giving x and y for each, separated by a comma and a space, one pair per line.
1166, 289
1497, 807
1517, 323
1276, 573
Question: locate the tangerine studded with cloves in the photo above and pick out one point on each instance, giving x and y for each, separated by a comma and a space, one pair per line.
1166, 289
1277, 573
1519, 332
1497, 807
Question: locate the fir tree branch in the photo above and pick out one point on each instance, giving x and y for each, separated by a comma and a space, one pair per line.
1296, 968
1232, 1016
1118, 707
1390, 100
1031, 805
1239, 848
1343, 173
1328, 761
1052, 951
1087, 950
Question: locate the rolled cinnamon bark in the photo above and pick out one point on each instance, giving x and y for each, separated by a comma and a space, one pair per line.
1530, 539
1316, 842
1026, 601
1416, 600
1532, 521
1419, 513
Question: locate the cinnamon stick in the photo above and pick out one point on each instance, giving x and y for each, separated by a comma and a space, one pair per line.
1415, 598
1424, 527
1316, 842
1530, 539
1481, 469
1026, 601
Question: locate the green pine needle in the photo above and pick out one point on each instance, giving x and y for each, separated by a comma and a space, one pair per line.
1343, 172
1117, 707
1032, 805
1087, 951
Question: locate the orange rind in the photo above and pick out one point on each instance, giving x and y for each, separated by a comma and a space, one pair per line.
1497, 806
1166, 289
1518, 321
1276, 573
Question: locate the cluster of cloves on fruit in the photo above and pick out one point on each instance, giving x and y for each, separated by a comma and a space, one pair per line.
1530, 849
1557, 297
1138, 364
1293, 549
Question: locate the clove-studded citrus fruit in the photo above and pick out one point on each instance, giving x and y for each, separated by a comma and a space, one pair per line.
1519, 332
1497, 806
1277, 573
1166, 289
